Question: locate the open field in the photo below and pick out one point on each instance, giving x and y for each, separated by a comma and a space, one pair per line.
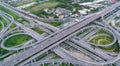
37, 30
102, 40
17, 40
55, 23
44, 5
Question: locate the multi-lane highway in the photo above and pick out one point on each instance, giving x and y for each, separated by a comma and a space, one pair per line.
52, 40
59, 36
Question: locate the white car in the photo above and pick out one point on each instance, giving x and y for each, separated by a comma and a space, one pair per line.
77, 20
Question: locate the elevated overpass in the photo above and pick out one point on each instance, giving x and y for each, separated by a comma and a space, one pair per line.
57, 37
53, 40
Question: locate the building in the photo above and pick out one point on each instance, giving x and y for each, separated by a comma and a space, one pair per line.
112, 1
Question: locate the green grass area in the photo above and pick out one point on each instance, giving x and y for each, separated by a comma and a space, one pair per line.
0, 26
43, 55
65, 64
15, 16
55, 57
68, 48
83, 31
22, 2
62, 64
2, 51
46, 64
2, 20
43, 6
37, 30
117, 49
101, 31
17, 40
38, 9
5, 23
9, 12
55, 23
86, 1
23, 20
12, 26
117, 24
102, 40
113, 48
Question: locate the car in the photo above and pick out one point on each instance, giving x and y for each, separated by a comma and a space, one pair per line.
76, 20
77, 38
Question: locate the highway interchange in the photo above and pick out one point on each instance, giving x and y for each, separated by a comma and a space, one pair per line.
55, 36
